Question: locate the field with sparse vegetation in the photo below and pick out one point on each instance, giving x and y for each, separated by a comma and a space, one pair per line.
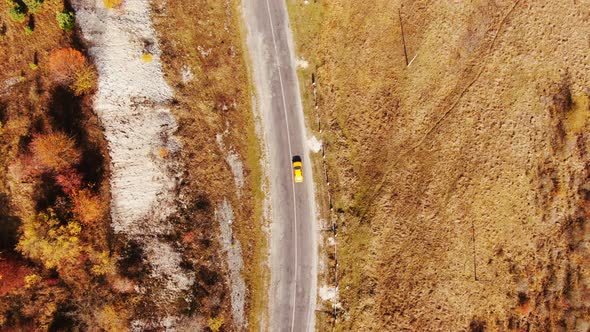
460, 181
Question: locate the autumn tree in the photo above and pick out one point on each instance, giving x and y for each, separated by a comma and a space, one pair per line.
55, 151
69, 180
110, 318
68, 66
84, 80
88, 208
65, 64
102, 264
47, 239
215, 323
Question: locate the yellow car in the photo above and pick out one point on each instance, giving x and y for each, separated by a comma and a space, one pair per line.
297, 169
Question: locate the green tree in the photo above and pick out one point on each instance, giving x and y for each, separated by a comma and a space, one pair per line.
17, 14
66, 20
33, 5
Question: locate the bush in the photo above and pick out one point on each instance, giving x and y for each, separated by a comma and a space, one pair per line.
147, 57
215, 323
111, 3
65, 63
55, 151
33, 5
87, 207
28, 30
69, 180
17, 14
163, 152
66, 20
83, 81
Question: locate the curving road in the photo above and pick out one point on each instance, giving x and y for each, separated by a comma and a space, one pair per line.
293, 247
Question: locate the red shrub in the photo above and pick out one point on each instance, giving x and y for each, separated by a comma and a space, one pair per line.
12, 273
69, 180
51, 282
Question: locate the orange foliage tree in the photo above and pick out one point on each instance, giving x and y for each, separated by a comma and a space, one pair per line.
65, 64
88, 208
55, 151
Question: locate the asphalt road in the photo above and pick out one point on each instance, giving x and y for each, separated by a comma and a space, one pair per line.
293, 247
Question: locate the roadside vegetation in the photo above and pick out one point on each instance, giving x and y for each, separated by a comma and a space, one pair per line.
205, 64
460, 180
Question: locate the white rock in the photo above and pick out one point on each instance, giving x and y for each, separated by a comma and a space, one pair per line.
302, 63
187, 74
328, 293
314, 144
225, 216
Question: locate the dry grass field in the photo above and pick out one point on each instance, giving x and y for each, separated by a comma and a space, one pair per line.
461, 180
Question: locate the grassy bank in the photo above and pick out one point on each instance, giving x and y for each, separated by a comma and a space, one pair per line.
204, 62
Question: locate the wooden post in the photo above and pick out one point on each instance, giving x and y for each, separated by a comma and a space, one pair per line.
474, 257
401, 25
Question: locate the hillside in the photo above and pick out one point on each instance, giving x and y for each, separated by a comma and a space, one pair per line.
459, 181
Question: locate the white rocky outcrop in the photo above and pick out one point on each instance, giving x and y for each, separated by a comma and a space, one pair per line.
131, 103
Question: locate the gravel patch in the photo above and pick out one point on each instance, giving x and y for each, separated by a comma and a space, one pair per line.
231, 247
